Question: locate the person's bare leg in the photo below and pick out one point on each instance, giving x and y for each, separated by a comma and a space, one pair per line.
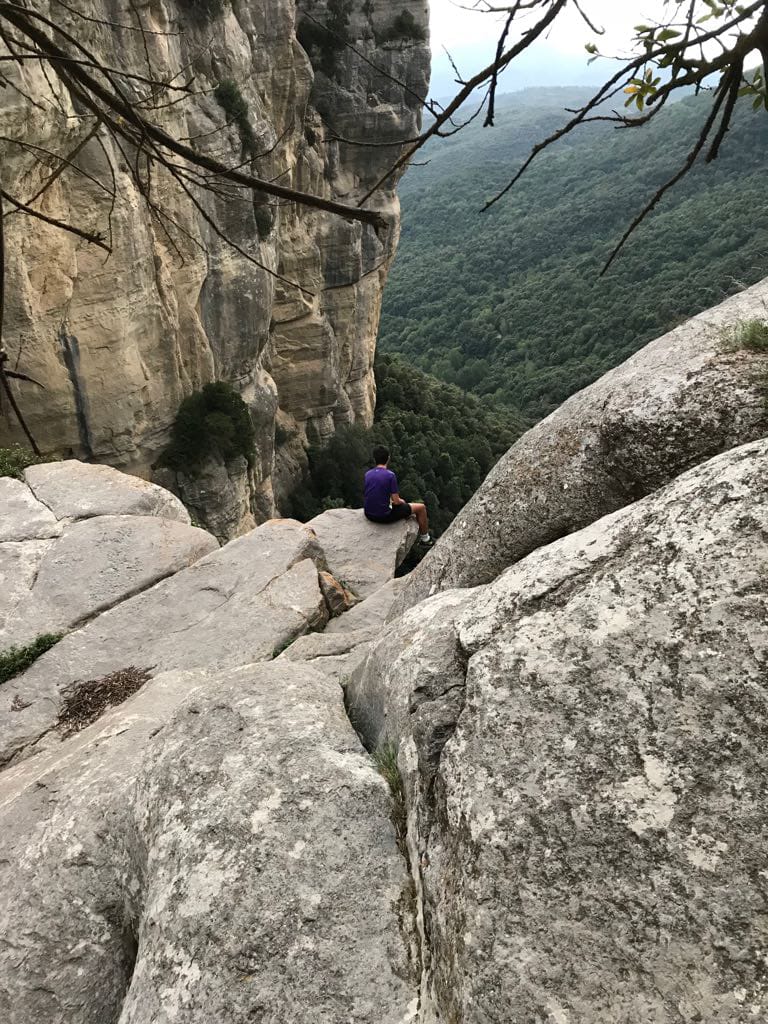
420, 511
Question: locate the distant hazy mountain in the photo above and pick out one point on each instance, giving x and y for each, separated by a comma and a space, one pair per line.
510, 303
545, 67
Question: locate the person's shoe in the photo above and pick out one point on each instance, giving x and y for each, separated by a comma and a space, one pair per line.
424, 538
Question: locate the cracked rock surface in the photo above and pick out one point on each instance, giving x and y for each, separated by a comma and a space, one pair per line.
76, 539
236, 605
219, 846
217, 849
586, 814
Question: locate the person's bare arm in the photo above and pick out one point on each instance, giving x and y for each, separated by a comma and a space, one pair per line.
397, 500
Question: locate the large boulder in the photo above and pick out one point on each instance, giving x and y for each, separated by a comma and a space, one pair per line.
78, 490
362, 554
93, 565
583, 746
76, 539
218, 848
240, 604
680, 400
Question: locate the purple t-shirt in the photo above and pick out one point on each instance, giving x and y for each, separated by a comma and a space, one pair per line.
379, 484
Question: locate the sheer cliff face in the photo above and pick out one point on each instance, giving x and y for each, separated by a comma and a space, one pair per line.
119, 342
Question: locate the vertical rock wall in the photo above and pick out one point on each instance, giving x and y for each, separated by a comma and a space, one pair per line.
119, 342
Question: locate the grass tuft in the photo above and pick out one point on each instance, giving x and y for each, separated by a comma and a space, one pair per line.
747, 334
385, 760
16, 659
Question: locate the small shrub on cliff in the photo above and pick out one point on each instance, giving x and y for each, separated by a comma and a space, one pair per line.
227, 94
14, 460
404, 28
16, 659
324, 43
749, 334
202, 11
214, 422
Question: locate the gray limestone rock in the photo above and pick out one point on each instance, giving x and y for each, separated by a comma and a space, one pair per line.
216, 849
218, 496
588, 842
79, 490
22, 516
19, 565
370, 613
240, 604
677, 402
342, 648
336, 655
361, 554
95, 564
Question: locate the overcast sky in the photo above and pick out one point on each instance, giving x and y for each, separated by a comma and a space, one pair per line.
558, 60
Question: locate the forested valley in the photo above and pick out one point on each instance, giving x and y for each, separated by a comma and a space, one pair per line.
507, 308
510, 304
442, 442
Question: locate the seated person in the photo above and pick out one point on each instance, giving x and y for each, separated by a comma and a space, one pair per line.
383, 504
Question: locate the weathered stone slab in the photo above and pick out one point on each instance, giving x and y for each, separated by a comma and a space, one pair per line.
97, 563
679, 401
22, 516
238, 605
336, 655
586, 811
362, 555
79, 490
216, 849
19, 565
370, 613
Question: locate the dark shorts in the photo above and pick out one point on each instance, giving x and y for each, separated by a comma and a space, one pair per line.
396, 513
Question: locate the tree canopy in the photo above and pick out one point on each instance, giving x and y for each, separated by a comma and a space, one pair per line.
694, 43
442, 444
521, 315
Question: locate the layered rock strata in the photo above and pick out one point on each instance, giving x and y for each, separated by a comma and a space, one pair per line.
119, 342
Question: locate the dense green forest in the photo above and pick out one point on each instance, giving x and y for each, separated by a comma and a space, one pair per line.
442, 443
509, 304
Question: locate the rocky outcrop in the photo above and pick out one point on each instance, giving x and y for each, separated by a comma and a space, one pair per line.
583, 747
240, 604
119, 343
217, 846
362, 554
77, 539
680, 400
575, 754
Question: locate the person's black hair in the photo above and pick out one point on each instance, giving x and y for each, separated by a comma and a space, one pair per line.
380, 455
